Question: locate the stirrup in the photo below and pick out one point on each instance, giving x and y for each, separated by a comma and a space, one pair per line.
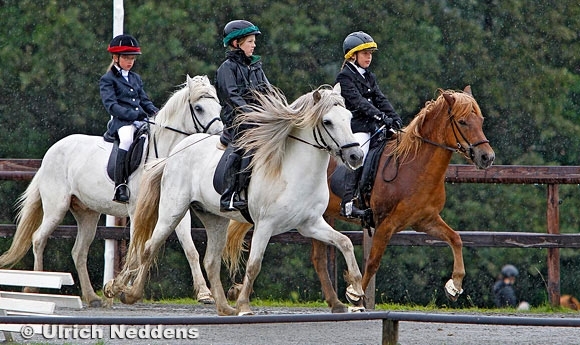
122, 194
348, 210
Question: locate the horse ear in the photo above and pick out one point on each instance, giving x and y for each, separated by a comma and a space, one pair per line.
468, 90
450, 100
336, 88
188, 80
316, 95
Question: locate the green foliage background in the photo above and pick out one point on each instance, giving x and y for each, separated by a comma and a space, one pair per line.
520, 57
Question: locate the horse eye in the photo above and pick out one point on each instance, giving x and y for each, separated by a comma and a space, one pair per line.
326, 122
198, 108
462, 122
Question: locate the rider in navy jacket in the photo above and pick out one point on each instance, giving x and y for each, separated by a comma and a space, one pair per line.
369, 106
125, 100
237, 77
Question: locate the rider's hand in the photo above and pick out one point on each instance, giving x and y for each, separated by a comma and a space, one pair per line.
397, 124
387, 121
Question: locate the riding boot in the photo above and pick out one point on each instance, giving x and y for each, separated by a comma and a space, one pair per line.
229, 200
121, 189
347, 207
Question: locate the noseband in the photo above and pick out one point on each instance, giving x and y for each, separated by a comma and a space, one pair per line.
468, 151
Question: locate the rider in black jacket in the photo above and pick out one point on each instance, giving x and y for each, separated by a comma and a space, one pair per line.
236, 78
369, 106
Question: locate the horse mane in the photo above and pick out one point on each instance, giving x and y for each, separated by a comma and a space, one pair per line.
191, 90
411, 139
272, 120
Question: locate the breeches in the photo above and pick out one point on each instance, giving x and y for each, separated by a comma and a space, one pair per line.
126, 136
363, 140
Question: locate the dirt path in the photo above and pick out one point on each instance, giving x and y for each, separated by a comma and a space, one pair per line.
344, 332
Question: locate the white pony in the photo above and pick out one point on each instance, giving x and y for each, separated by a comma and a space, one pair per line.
291, 145
73, 178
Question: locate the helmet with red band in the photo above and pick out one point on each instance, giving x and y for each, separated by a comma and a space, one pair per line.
124, 45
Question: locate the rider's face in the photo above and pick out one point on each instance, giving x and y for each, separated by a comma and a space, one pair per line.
364, 58
248, 44
126, 62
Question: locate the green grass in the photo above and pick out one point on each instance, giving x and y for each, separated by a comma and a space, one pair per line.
542, 309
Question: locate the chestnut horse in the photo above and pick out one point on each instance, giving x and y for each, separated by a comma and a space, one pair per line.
409, 188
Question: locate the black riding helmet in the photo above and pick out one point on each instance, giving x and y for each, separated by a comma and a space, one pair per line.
509, 271
237, 29
124, 45
356, 42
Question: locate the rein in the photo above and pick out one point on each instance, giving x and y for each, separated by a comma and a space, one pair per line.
199, 127
465, 151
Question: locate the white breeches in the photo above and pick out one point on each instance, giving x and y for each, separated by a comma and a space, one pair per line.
126, 136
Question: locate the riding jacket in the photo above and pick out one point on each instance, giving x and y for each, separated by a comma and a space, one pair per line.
236, 78
126, 101
364, 99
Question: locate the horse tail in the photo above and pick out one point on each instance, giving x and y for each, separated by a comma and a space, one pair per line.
235, 243
28, 219
146, 213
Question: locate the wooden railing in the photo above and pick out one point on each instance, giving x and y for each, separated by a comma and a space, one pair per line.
552, 176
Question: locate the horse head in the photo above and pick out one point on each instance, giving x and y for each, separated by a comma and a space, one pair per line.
204, 105
333, 129
466, 132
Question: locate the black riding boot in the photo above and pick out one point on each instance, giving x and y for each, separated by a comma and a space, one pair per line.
121, 189
347, 207
229, 200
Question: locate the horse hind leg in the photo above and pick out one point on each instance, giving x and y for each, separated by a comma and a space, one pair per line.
183, 231
320, 262
87, 226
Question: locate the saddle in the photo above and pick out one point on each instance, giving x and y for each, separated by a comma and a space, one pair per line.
244, 175
134, 155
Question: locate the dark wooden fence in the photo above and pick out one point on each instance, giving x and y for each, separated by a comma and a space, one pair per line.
552, 176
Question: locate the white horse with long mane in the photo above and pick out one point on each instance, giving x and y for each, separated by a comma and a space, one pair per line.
292, 145
73, 178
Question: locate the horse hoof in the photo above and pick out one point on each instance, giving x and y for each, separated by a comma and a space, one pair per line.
244, 313
352, 296
205, 298
339, 309
108, 289
451, 291
356, 309
96, 303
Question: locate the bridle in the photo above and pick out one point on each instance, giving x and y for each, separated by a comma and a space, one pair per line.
321, 144
199, 127
468, 151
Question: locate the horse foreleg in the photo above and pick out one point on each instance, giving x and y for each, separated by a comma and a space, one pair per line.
200, 288
87, 227
322, 231
320, 262
440, 229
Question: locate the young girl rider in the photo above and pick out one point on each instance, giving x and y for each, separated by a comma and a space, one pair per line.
369, 106
236, 78
125, 100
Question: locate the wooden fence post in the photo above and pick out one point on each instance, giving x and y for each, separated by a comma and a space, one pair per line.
553, 219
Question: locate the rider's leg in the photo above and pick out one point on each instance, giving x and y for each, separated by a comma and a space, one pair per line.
228, 201
122, 192
351, 179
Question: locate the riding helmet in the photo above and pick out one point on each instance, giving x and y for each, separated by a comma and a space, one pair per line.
509, 271
237, 29
124, 45
356, 42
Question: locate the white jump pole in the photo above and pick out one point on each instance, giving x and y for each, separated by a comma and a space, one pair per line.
111, 245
